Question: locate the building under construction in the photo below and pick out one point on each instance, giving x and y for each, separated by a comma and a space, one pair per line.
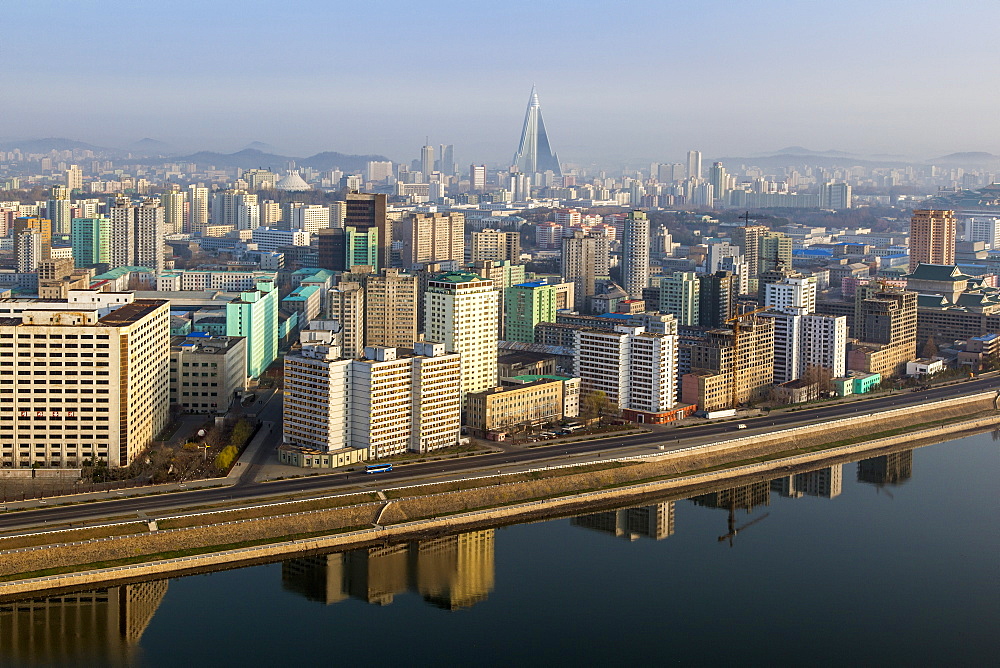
731, 367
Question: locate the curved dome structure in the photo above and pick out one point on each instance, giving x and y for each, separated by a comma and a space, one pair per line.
292, 182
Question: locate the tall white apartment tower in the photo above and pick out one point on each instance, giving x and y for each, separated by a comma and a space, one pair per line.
462, 311
694, 164
794, 293
137, 231
198, 200
635, 254
174, 210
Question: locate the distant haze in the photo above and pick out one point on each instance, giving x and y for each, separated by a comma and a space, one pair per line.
618, 84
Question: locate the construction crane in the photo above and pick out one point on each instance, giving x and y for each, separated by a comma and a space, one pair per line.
736, 351
734, 530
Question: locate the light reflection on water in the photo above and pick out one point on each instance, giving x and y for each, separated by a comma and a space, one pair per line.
844, 563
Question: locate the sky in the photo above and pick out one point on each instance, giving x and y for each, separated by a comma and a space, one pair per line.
619, 83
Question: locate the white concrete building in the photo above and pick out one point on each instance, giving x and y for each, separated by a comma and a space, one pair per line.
792, 293
635, 254
462, 311
679, 296
389, 402
803, 340
269, 239
636, 369
787, 343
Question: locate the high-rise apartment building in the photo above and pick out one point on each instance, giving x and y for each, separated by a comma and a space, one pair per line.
391, 307
582, 256
432, 237
386, 402
804, 341
91, 241
174, 210
74, 179
29, 250
634, 368
793, 292
42, 225
137, 232
254, 315
748, 239
526, 305
835, 196
932, 237
680, 296
492, 244
308, 217
426, 162
716, 298
366, 210
719, 180
107, 403
462, 311
198, 206
59, 210
346, 304
983, 228
774, 251
635, 254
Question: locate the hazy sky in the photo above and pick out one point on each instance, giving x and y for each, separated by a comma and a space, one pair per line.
619, 82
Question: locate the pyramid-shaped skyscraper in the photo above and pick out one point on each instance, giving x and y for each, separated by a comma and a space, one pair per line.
534, 154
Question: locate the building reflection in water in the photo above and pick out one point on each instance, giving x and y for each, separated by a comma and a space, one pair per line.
452, 572
99, 626
826, 483
655, 521
894, 469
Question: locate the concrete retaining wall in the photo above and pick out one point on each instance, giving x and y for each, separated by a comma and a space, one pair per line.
299, 523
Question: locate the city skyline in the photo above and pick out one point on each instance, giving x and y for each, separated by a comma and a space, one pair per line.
825, 81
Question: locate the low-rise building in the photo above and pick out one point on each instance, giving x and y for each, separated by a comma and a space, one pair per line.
924, 366
516, 407
207, 372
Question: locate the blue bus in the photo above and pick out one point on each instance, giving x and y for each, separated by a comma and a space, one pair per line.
378, 468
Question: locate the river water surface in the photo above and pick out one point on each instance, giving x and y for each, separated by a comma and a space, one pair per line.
891, 560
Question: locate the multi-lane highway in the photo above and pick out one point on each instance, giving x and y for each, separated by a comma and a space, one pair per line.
245, 489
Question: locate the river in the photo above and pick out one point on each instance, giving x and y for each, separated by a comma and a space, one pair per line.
891, 560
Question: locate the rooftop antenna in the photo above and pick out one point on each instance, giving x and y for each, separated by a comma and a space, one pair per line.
746, 219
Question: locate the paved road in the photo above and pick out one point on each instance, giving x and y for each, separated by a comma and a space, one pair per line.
158, 505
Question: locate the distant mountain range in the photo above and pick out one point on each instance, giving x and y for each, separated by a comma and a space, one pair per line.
52, 144
250, 158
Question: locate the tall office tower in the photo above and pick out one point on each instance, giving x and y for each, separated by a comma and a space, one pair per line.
361, 247
91, 241
432, 237
634, 368
885, 326
308, 217
719, 180
391, 309
663, 242
582, 256
792, 292
534, 154
496, 245
174, 209
137, 232
731, 366
716, 298
635, 254
462, 311
198, 205
694, 165
446, 159
331, 249
59, 210
774, 252
477, 178
835, 196
28, 248
932, 237
526, 305
748, 239
44, 228
127, 351
426, 162
369, 210
74, 179
346, 302
679, 296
